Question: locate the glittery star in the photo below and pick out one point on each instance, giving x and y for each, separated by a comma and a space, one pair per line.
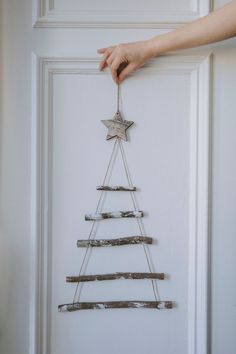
117, 126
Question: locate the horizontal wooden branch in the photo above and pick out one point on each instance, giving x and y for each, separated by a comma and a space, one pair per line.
116, 188
114, 215
114, 276
132, 240
159, 305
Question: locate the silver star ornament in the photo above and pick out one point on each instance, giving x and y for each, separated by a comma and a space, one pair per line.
117, 126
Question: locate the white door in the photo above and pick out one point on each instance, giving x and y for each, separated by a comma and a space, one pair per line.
54, 153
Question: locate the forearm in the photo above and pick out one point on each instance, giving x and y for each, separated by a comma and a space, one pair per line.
217, 26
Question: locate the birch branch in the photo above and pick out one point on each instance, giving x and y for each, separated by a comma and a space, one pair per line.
116, 188
159, 305
114, 276
114, 215
132, 240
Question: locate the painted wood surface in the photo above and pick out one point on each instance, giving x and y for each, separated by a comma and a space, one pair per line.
159, 305
131, 240
116, 188
114, 276
117, 126
114, 215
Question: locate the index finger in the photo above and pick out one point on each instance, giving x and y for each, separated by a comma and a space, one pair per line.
101, 50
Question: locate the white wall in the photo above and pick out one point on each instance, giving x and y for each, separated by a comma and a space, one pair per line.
224, 202
15, 179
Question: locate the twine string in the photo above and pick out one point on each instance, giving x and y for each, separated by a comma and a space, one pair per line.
118, 97
102, 194
139, 222
92, 234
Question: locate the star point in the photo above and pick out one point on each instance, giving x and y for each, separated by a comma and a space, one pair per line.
117, 126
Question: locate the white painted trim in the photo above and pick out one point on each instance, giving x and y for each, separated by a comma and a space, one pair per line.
34, 267
194, 112
43, 71
45, 15
203, 208
198, 200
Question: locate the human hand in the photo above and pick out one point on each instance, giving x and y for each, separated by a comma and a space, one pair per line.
124, 58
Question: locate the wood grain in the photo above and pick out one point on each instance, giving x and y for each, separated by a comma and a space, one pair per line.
159, 305
116, 188
114, 215
131, 240
114, 276
117, 126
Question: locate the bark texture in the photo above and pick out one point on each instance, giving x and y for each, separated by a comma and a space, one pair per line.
116, 188
131, 240
114, 276
114, 215
159, 305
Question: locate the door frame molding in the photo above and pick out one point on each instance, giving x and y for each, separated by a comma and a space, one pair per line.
43, 71
46, 15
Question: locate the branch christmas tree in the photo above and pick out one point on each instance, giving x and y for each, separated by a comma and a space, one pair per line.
117, 128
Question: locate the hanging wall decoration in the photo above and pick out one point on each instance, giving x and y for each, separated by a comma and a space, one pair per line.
117, 128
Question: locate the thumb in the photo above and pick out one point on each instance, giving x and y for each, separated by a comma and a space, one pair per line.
126, 71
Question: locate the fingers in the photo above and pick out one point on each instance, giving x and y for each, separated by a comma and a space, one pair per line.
114, 69
118, 64
103, 62
106, 53
101, 50
125, 72
111, 58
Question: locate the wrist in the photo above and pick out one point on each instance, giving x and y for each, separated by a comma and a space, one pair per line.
159, 44
148, 49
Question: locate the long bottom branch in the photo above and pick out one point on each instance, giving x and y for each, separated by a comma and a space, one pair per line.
115, 304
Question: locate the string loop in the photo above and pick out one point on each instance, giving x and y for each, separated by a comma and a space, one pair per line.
118, 97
